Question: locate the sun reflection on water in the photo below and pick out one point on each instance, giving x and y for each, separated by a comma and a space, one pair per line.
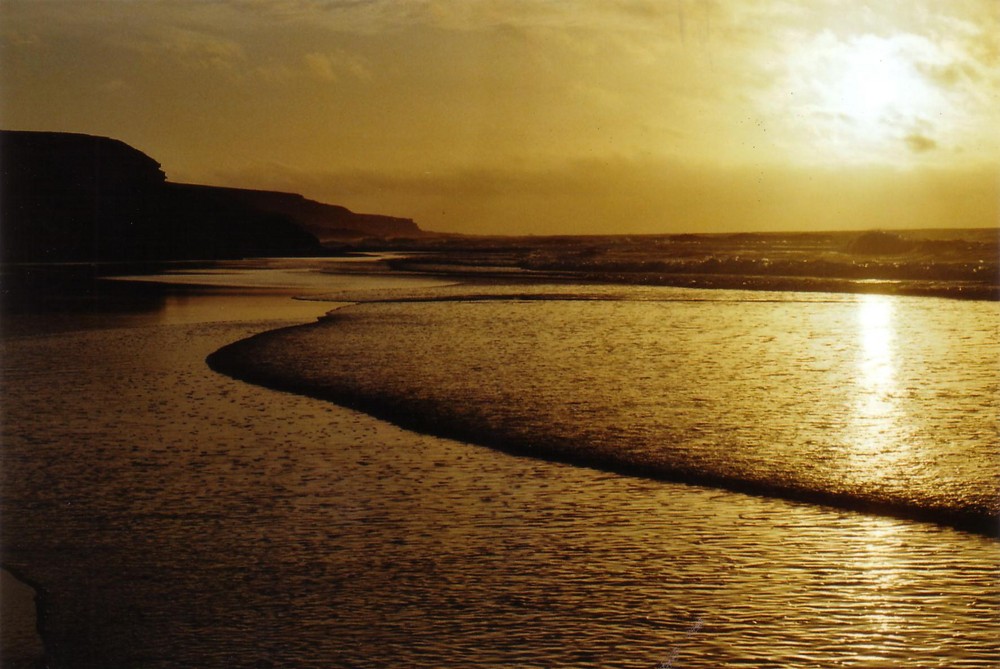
876, 331
877, 429
877, 432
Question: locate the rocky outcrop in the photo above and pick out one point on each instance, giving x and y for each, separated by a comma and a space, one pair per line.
69, 197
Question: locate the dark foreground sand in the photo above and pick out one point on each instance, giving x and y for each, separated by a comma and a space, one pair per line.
174, 517
20, 644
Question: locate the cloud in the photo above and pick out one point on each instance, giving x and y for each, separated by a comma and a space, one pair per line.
332, 65
329, 67
663, 18
320, 66
365, 17
466, 83
919, 143
190, 49
949, 75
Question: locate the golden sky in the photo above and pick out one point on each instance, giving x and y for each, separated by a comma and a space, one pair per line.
540, 116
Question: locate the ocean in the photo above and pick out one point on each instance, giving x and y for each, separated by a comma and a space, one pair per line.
523, 472
834, 399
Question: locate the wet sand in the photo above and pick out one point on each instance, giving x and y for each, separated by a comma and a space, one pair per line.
20, 645
177, 518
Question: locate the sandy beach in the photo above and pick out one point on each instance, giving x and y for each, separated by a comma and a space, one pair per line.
174, 517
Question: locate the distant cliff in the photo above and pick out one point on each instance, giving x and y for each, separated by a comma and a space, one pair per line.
328, 222
69, 197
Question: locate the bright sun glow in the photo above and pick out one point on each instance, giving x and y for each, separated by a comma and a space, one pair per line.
865, 96
876, 89
874, 85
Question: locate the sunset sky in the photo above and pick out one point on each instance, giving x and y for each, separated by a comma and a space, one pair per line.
558, 116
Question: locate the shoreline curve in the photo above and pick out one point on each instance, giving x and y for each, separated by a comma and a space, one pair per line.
229, 362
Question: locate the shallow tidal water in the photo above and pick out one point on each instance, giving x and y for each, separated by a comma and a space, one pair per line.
864, 401
176, 517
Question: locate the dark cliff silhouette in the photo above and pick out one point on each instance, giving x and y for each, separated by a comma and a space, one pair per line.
328, 222
68, 197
